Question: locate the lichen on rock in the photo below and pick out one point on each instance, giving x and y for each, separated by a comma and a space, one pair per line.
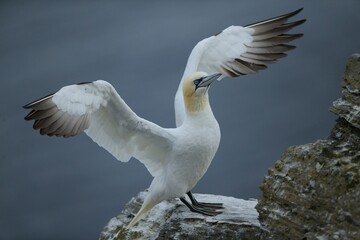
313, 191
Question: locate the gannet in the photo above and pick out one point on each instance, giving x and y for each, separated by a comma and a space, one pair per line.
178, 157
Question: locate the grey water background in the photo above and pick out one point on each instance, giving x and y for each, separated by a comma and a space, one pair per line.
55, 188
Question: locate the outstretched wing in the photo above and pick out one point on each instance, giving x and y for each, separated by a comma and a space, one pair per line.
239, 51
98, 110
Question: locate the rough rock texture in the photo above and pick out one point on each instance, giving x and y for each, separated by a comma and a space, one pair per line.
313, 191
173, 220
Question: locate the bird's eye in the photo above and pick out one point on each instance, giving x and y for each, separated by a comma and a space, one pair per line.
197, 81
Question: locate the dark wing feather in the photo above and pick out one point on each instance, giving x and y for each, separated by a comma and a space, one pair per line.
52, 121
268, 45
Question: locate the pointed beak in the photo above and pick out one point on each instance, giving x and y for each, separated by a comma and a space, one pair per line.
206, 81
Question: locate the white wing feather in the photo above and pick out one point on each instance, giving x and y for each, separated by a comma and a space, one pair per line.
101, 113
239, 51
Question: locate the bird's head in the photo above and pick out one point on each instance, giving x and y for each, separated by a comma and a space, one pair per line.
195, 90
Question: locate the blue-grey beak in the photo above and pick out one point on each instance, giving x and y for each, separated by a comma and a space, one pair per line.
206, 81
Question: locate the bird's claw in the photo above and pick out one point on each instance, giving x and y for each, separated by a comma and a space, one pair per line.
209, 209
202, 210
204, 204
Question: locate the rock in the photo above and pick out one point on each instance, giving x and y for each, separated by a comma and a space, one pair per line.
173, 220
313, 190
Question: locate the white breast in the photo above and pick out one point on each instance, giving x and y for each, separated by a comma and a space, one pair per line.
191, 156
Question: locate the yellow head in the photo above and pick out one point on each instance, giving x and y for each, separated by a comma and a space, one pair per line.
195, 90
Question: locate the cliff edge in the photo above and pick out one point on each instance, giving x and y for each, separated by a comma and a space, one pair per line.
313, 190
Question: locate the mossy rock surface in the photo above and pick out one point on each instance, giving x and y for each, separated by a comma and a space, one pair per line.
313, 190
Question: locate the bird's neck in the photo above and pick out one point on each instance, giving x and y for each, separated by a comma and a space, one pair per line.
199, 111
196, 104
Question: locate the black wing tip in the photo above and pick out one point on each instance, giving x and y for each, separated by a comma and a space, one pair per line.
28, 117
284, 16
27, 106
83, 83
30, 105
296, 23
300, 9
290, 14
296, 35
291, 36
291, 47
299, 22
296, 11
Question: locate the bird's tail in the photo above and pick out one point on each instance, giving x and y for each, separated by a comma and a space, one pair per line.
145, 208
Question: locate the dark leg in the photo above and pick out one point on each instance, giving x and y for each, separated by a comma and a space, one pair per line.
208, 212
203, 204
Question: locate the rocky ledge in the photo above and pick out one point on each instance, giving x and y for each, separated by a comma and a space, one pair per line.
173, 220
312, 192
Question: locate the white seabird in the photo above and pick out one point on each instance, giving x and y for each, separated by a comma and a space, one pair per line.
178, 157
